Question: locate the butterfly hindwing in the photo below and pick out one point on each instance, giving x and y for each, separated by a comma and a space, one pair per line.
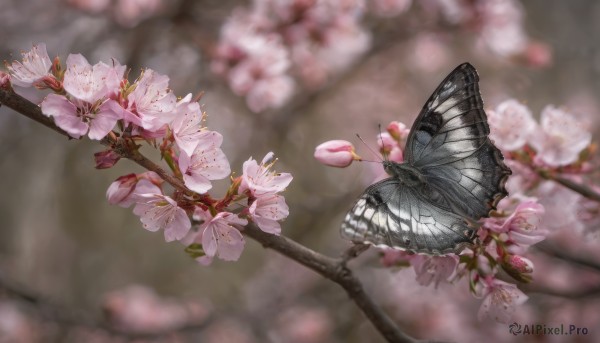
390, 215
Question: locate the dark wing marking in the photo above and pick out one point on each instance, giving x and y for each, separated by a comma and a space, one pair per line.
390, 215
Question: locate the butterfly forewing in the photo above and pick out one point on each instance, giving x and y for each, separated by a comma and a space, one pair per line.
464, 172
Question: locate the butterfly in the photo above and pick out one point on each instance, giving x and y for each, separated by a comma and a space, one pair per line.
452, 176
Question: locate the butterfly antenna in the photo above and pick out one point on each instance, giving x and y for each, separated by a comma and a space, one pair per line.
368, 147
382, 145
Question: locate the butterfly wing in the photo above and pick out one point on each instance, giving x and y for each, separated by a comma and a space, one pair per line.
391, 215
449, 144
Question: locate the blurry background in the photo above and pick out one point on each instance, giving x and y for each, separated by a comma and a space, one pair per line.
278, 76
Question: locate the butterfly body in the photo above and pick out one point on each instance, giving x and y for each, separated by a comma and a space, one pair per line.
452, 176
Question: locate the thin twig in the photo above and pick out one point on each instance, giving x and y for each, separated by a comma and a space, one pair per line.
574, 186
556, 252
332, 269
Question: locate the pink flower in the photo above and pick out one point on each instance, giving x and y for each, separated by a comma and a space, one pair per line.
502, 29
139, 309
91, 83
433, 268
561, 139
151, 105
129, 13
270, 93
390, 147
4, 80
187, 126
88, 108
522, 225
562, 207
259, 180
217, 235
518, 267
158, 212
511, 125
106, 159
35, 66
336, 153
119, 191
123, 191
267, 210
399, 131
77, 120
501, 300
207, 162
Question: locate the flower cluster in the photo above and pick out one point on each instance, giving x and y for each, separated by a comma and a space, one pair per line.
266, 51
98, 101
499, 25
263, 48
504, 237
127, 13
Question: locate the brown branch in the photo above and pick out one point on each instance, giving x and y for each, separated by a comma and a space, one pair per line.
553, 250
332, 269
336, 271
70, 317
574, 186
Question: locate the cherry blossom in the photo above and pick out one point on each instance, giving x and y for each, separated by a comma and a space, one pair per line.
151, 105
519, 264
260, 180
35, 66
137, 308
522, 225
4, 79
187, 126
207, 162
88, 108
336, 153
91, 83
561, 138
106, 159
270, 93
433, 269
390, 147
502, 29
217, 235
160, 212
511, 125
267, 210
123, 191
501, 300
129, 13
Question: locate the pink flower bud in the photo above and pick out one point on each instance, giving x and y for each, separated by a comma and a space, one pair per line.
119, 191
398, 130
538, 55
106, 159
336, 153
518, 267
4, 80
